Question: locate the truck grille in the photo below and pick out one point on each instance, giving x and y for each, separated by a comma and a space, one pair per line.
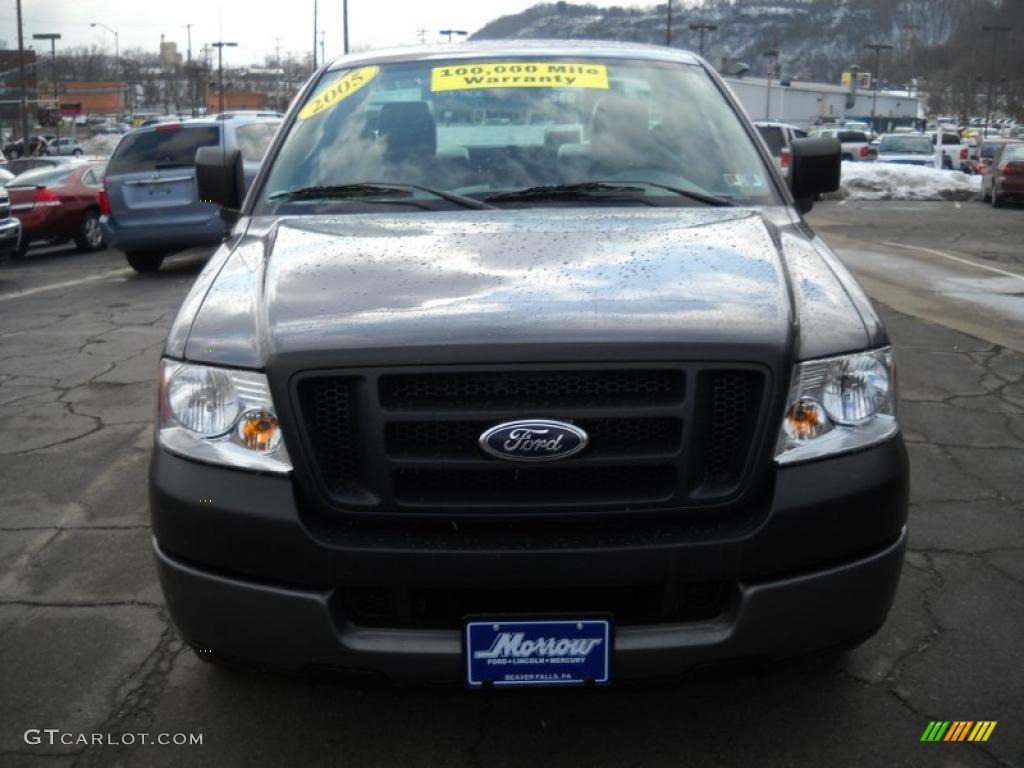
661, 437
5, 211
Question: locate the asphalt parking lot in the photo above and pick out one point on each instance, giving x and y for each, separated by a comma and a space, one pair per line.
86, 646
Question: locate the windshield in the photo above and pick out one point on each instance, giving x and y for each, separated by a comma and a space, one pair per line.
482, 127
905, 145
165, 146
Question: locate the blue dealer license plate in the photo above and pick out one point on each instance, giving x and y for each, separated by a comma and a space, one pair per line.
537, 653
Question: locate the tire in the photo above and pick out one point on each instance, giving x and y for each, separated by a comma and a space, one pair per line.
998, 201
77, 153
13, 154
21, 251
144, 261
90, 236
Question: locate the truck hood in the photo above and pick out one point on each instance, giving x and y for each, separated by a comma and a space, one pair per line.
512, 277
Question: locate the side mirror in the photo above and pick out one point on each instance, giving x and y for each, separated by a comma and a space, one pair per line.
219, 180
814, 169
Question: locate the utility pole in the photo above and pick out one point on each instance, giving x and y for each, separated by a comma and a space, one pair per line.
21, 82
702, 27
191, 72
995, 30
876, 76
421, 35
772, 54
344, 25
314, 33
220, 45
53, 37
912, 28
323, 38
668, 25
450, 32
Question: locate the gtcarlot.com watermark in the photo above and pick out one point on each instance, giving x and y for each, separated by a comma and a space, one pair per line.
55, 736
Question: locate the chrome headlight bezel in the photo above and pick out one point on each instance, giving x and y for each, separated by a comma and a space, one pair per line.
219, 438
837, 405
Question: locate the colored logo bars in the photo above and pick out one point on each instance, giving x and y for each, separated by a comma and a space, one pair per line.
958, 730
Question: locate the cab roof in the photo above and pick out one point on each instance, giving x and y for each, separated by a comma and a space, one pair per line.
518, 48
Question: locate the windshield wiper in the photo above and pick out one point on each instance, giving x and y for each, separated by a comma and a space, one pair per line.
701, 197
598, 190
368, 189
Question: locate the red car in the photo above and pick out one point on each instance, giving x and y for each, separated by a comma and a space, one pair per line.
57, 204
1005, 177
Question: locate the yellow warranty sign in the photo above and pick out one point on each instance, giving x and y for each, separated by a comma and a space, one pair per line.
519, 74
338, 91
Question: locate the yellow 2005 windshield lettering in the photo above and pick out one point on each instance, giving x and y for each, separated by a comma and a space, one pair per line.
338, 91
519, 74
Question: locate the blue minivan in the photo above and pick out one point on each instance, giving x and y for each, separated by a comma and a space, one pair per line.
149, 203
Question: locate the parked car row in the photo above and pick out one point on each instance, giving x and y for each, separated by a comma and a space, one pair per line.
43, 145
143, 202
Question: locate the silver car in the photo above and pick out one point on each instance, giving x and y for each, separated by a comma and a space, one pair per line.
65, 146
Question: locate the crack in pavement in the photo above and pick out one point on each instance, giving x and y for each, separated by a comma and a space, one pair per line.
132, 711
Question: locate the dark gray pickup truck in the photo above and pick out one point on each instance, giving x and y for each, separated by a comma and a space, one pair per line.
521, 367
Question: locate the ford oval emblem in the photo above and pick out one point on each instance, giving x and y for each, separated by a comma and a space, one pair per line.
534, 440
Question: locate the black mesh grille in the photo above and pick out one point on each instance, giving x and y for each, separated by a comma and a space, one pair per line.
328, 417
608, 437
734, 398
384, 440
535, 486
531, 390
447, 608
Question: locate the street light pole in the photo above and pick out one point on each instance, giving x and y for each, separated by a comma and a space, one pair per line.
117, 45
668, 26
315, 4
220, 45
877, 76
344, 24
995, 30
450, 32
702, 27
53, 37
21, 78
773, 58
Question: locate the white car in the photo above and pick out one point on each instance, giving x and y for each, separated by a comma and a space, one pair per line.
906, 149
778, 137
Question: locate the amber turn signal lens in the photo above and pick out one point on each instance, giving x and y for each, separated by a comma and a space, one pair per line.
260, 431
805, 420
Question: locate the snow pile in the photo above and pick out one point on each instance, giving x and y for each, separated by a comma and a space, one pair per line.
102, 144
890, 181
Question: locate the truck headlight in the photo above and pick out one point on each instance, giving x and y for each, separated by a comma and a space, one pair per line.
838, 404
220, 416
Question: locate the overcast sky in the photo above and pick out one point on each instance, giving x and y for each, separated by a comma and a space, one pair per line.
255, 24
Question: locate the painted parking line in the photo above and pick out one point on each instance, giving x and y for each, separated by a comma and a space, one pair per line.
63, 284
959, 259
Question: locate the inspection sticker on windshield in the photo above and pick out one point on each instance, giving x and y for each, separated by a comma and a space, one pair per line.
338, 91
519, 74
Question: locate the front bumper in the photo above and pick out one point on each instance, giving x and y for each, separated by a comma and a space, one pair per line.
247, 580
